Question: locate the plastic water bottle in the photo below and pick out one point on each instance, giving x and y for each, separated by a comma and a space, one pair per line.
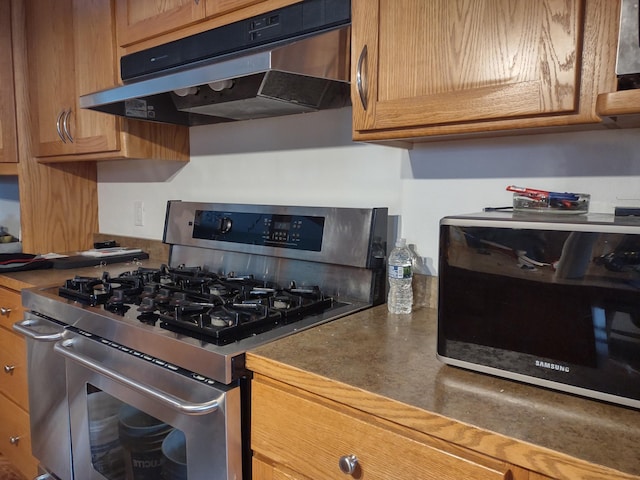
400, 274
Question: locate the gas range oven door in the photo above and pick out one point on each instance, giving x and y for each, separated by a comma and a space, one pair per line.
136, 417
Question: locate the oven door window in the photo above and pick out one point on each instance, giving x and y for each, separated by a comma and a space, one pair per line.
134, 417
127, 443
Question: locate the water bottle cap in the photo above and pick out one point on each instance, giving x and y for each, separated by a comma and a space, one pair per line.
401, 242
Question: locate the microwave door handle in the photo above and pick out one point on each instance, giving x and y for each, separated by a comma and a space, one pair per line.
23, 328
65, 348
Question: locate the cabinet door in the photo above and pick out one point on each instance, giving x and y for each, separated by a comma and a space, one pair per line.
15, 437
137, 20
13, 365
51, 79
417, 63
8, 140
71, 52
315, 439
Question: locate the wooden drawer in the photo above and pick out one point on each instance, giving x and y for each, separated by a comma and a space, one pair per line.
10, 307
13, 368
310, 437
15, 425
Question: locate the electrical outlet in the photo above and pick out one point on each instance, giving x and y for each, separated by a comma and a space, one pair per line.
138, 213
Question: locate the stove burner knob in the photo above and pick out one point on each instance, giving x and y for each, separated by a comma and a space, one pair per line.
178, 298
149, 291
225, 225
163, 295
147, 305
118, 297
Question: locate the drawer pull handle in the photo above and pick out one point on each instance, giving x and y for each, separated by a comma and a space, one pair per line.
348, 464
9, 368
14, 440
4, 311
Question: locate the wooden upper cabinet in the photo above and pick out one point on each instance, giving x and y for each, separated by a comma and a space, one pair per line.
139, 21
71, 52
68, 55
452, 66
8, 139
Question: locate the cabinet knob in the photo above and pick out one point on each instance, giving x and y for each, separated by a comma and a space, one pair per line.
4, 311
348, 464
9, 368
14, 440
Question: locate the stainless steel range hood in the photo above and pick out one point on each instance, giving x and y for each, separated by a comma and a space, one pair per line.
297, 75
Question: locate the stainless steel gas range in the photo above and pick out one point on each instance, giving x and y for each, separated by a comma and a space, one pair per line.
141, 375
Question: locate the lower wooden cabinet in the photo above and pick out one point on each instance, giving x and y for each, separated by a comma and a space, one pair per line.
298, 435
15, 435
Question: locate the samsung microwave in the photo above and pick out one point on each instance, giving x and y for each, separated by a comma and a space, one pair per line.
551, 300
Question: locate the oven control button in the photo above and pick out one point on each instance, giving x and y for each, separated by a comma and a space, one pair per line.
172, 367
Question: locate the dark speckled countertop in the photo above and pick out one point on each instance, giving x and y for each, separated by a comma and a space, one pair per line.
391, 356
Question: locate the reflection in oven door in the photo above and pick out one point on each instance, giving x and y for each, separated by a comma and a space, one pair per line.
135, 417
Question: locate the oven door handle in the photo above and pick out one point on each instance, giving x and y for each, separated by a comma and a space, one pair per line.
23, 328
65, 348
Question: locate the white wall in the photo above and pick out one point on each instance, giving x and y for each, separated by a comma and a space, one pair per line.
10, 205
309, 159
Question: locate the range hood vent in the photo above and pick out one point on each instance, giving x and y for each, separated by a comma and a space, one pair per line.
292, 60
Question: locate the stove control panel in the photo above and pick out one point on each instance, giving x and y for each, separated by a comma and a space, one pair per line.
300, 232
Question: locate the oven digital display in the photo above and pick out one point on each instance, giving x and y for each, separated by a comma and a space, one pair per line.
300, 232
282, 225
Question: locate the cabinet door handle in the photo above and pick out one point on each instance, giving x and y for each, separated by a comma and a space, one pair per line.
59, 126
361, 79
14, 440
4, 311
348, 464
9, 368
65, 125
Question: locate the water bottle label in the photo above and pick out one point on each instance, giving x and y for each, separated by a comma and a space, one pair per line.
399, 271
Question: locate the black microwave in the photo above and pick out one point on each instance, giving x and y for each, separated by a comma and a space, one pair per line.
551, 300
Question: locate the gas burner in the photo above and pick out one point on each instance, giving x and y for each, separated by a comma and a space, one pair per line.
220, 324
87, 290
219, 308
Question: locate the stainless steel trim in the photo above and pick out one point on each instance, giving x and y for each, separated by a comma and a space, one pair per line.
364, 227
592, 222
540, 382
65, 348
